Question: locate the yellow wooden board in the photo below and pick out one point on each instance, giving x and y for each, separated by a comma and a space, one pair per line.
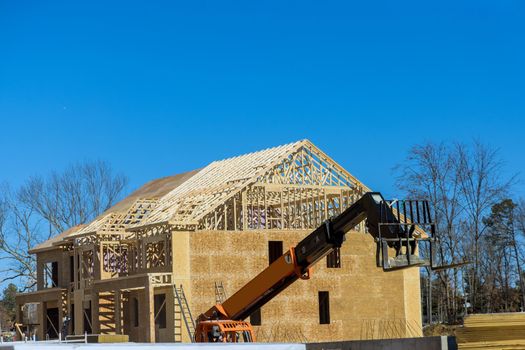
492, 331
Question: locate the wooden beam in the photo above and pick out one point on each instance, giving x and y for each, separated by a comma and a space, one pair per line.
95, 317
118, 312
147, 314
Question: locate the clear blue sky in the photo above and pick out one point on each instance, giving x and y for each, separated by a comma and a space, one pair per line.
158, 88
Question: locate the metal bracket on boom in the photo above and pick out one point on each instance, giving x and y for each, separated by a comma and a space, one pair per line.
406, 236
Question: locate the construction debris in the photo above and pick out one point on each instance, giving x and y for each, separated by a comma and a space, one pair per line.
492, 331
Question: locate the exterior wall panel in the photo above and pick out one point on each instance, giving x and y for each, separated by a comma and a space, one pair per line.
365, 301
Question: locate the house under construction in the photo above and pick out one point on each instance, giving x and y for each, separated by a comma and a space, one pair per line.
176, 246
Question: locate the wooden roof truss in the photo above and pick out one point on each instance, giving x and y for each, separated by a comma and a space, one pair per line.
113, 225
294, 186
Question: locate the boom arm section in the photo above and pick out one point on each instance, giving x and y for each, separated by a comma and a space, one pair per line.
296, 262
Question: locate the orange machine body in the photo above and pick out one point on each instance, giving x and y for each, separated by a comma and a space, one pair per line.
227, 331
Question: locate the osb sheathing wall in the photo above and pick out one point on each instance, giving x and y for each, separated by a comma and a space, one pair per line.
62, 258
365, 301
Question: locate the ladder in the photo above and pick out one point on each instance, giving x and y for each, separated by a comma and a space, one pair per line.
220, 295
182, 314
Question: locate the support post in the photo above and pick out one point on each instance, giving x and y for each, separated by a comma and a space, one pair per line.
148, 314
95, 319
19, 318
244, 210
76, 270
118, 312
41, 319
79, 312
234, 199
62, 313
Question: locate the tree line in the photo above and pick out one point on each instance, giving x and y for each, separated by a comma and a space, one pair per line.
478, 221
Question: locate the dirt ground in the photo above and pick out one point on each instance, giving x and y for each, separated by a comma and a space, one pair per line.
439, 329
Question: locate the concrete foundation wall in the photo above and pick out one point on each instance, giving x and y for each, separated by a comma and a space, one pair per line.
427, 343
365, 301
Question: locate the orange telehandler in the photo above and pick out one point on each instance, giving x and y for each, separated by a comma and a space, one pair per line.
394, 224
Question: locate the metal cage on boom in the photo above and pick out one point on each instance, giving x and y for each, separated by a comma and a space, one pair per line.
412, 222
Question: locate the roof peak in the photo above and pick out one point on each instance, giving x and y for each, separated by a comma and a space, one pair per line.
262, 150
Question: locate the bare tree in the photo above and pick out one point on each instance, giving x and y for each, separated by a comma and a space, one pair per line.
18, 232
75, 196
46, 206
519, 244
3, 206
462, 183
430, 172
479, 170
520, 224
